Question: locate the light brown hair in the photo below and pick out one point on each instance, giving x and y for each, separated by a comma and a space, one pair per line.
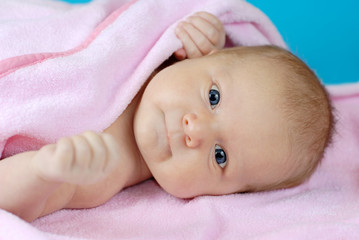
307, 110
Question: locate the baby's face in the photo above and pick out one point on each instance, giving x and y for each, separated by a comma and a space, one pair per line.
209, 126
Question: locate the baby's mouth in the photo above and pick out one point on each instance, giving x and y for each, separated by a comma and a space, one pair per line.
167, 135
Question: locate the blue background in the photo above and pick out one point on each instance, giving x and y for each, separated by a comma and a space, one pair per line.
324, 33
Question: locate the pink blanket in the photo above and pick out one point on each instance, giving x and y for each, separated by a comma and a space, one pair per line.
77, 68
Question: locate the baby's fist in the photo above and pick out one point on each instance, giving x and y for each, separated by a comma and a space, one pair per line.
200, 34
82, 159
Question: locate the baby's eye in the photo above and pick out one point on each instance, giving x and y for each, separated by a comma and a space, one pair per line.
214, 96
220, 156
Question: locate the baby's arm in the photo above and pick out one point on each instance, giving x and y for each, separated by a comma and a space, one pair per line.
200, 34
39, 182
22, 191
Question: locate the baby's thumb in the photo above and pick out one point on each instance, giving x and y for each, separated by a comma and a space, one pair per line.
180, 54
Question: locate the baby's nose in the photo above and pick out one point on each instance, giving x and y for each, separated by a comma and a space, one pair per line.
196, 129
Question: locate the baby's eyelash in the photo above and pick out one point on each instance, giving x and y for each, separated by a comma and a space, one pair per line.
214, 96
220, 156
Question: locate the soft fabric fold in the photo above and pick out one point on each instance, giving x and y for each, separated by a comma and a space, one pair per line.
77, 68
66, 69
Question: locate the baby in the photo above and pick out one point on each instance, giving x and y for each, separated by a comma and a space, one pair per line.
222, 121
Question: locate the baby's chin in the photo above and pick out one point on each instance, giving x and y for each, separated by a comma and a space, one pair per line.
182, 194
182, 191
173, 188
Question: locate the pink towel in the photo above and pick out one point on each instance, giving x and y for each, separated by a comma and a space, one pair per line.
325, 207
85, 63
67, 69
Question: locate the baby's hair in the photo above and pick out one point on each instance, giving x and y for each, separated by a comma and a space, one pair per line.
307, 110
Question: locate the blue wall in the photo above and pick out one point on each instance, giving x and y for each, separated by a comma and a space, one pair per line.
77, 1
324, 33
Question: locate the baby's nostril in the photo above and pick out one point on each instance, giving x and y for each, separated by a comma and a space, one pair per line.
188, 139
186, 122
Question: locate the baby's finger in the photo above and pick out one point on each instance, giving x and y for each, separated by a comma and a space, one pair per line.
213, 20
189, 46
210, 26
83, 154
199, 39
206, 28
180, 54
45, 165
64, 154
99, 151
113, 154
58, 163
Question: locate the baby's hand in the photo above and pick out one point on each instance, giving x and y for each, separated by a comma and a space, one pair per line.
82, 159
200, 34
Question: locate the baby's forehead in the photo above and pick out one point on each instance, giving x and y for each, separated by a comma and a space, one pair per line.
251, 55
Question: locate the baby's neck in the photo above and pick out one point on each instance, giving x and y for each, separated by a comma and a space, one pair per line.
136, 169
